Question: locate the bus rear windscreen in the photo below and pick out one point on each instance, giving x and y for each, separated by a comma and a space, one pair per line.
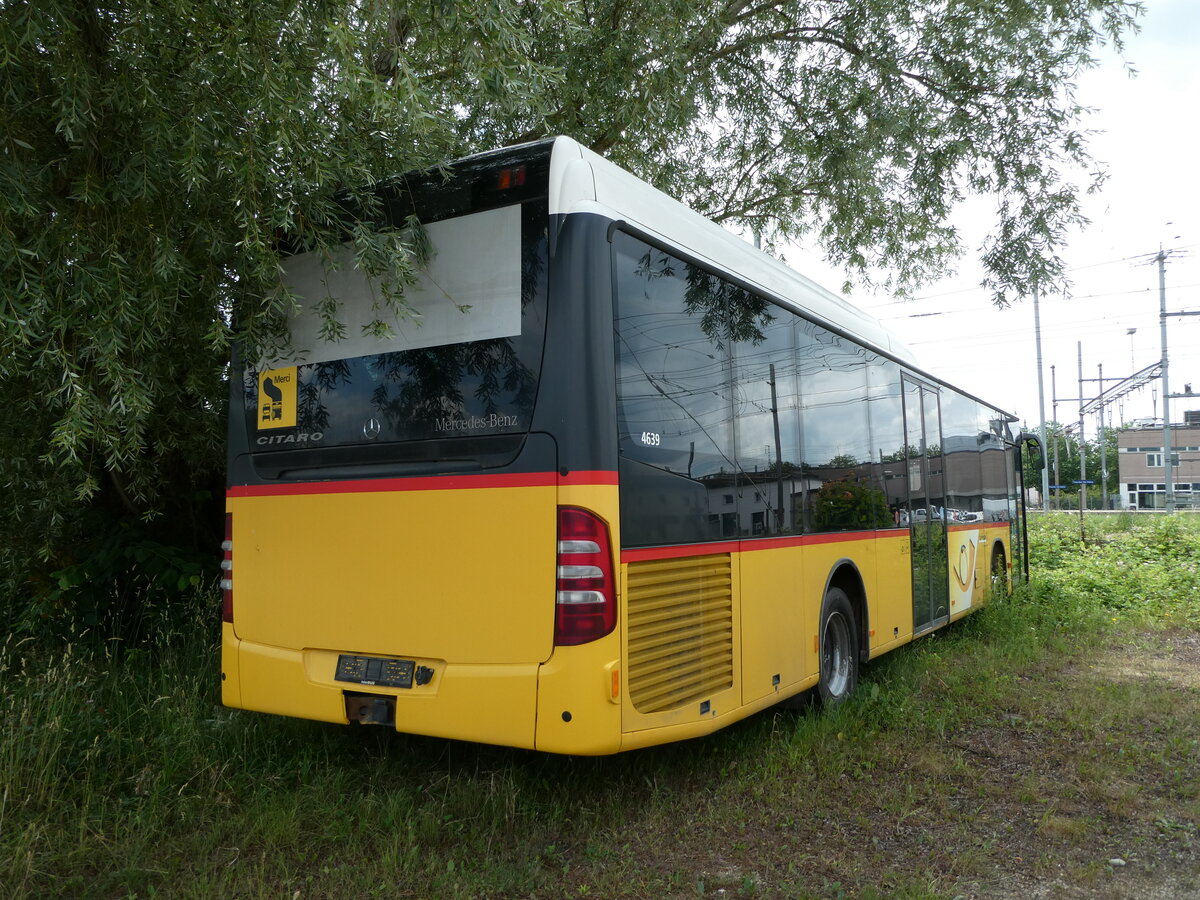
463, 360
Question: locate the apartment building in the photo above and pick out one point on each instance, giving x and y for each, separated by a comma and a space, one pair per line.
1141, 464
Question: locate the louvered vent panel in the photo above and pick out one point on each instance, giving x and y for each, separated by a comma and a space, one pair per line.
680, 631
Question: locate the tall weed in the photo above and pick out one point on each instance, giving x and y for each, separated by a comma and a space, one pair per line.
122, 776
1146, 569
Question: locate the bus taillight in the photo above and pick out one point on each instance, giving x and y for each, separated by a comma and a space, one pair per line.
511, 178
227, 571
586, 606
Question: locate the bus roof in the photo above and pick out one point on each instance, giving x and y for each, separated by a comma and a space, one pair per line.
582, 181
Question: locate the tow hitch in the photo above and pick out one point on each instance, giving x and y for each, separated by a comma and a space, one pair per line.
371, 709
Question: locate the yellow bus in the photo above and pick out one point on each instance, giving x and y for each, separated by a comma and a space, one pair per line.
620, 479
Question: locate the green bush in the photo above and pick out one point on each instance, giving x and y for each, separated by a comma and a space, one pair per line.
1142, 567
121, 583
848, 506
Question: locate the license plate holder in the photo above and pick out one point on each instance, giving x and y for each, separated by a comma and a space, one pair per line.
375, 671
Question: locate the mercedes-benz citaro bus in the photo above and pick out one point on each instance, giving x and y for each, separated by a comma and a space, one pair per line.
620, 479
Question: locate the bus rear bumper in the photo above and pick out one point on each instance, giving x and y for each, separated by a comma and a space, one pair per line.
579, 699
495, 704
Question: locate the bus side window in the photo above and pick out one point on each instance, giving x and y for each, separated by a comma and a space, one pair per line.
674, 410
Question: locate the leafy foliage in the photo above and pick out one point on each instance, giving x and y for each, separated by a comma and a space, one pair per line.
124, 584
848, 505
859, 124
1063, 464
150, 155
1145, 568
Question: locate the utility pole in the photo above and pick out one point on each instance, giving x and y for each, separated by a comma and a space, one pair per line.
1037, 334
1057, 472
1082, 448
1167, 395
1103, 445
1104, 400
1168, 484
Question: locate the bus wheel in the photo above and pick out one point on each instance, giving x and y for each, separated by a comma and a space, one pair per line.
839, 649
999, 573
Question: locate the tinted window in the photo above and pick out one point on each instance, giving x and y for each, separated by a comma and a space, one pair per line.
738, 418
994, 460
676, 324
843, 494
445, 390
963, 446
673, 405
885, 411
767, 403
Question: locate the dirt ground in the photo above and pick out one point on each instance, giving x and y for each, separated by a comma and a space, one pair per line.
1109, 830
1083, 783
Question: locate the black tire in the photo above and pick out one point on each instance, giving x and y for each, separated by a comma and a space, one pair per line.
838, 649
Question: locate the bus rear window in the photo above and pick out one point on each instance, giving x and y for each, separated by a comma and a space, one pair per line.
465, 365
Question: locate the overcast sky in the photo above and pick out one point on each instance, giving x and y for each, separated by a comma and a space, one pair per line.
1150, 145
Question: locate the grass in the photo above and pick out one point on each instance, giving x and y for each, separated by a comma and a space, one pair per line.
1028, 745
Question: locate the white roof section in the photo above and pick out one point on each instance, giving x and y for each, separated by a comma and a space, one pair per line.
584, 182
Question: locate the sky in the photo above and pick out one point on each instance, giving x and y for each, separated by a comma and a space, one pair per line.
1149, 143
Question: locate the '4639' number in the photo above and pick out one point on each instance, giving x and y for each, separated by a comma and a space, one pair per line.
651, 438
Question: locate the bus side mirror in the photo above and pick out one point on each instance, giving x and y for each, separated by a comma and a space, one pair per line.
1034, 446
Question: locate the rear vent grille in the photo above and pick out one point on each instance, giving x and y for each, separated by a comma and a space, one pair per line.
680, 631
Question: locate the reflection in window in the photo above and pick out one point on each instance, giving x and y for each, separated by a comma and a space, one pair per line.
843, 494
738, 418
674, 410
771, 484
963, 447
923, 450
994, 478
885, 412
465, 389
672, 374
936, 488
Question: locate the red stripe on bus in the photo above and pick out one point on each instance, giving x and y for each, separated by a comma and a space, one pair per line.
752, 544
431, 483
683, 550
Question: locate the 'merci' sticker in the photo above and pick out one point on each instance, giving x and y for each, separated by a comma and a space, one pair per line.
277, 398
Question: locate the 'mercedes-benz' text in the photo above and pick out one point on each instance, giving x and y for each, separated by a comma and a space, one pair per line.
471, 423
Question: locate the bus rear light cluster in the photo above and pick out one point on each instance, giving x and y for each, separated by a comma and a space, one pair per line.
586, 606
511, 178
227, 571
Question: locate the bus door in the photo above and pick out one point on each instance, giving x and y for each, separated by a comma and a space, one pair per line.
1016, 507
926, 506
1017, 496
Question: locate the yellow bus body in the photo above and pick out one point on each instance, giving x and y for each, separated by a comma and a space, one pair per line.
474, 602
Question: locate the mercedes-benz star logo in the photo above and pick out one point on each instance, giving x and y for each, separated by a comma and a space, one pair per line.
371, 429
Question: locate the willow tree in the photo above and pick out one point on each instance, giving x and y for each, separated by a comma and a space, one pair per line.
150, 154
854, 124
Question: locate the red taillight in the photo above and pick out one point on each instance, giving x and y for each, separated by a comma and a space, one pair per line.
227, 571
510, 178
586, 606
